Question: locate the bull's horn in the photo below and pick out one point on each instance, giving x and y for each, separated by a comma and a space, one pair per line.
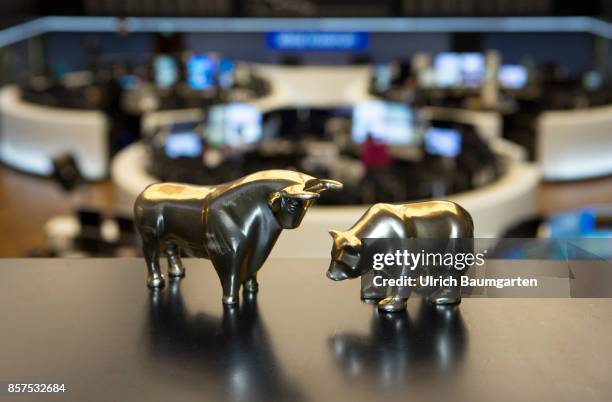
296, 192
320, 185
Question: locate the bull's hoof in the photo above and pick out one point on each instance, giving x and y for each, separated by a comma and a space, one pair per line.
251, 286
392, 304
443, 297
176, 271
230, 300
155, 281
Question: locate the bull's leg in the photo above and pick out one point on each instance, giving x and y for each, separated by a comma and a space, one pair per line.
150, 249
231, 286
251, 285
175, 265
228, 269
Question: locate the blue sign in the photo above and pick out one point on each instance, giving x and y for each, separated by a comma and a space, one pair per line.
291, 40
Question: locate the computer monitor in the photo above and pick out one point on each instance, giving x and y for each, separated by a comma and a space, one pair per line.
512, 76
448, 69
473, 69
226, 73
383, 74
444, 142
592, 80
186, 144
387, 122
165, 71
128, 81
233, 124
459, 69
200, 72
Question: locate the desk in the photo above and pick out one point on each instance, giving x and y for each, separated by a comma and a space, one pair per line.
513, 193
93, 325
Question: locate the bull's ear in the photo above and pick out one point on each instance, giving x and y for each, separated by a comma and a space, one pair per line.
320, 185
274, 201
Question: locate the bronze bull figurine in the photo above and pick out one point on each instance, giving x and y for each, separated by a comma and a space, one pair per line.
234, 224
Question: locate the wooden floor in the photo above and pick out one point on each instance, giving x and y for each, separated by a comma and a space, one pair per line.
27, 202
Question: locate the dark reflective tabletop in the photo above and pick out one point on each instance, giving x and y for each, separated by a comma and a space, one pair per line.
93, 325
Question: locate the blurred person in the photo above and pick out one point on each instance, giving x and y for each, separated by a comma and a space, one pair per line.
374, 154
376, 160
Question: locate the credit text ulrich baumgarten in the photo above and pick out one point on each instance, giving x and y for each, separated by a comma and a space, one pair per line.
404, 259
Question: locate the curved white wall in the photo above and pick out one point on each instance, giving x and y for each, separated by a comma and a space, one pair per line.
575, 144
32, 135
493, 207
313, 86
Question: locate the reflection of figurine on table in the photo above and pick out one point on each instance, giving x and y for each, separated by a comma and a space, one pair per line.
231, 354
400, 350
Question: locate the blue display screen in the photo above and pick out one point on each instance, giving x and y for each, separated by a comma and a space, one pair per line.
292, 40
233, 124
183, 145
226, 73
513, 76
460, 69
443, 142
128, 81
165, 70
387, 122
200, 72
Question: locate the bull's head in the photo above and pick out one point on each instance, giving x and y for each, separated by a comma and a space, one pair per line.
290, 204
345, 256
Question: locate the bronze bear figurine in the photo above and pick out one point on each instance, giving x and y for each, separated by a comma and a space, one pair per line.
234, 224
419, 220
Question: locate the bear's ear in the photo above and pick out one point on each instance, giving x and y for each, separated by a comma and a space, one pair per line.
335, 234
320, 185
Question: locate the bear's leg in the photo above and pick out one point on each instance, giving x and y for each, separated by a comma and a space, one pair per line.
251, 285
175, 265
448, 294
452, 294
150, 249
370, 293
392, 304
397, 298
